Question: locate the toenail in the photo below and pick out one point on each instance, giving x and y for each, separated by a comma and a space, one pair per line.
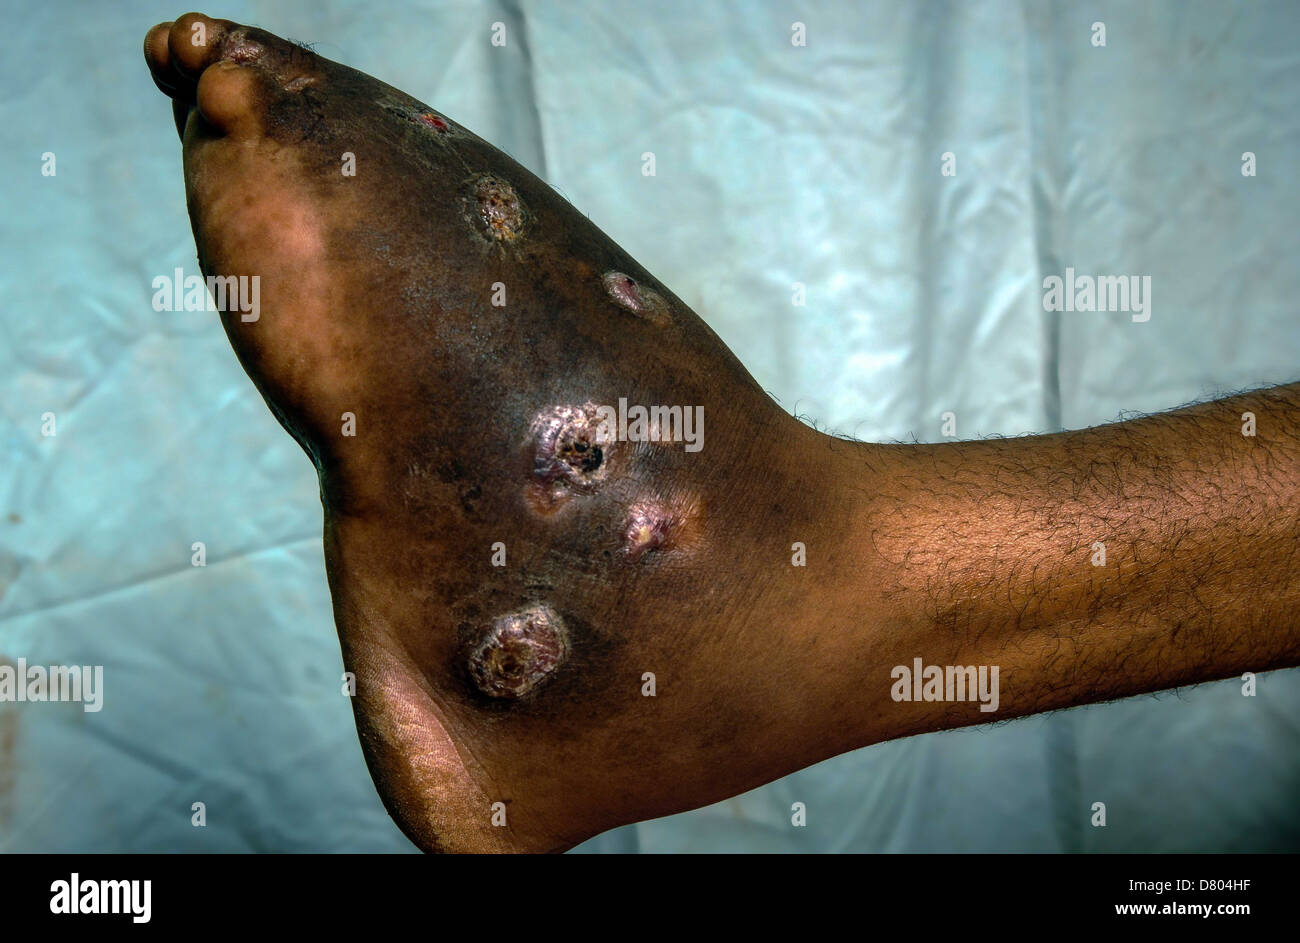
632, 296
498, 207
519, 652
298, 84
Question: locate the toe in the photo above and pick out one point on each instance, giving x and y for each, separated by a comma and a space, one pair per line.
226, 97
156, 52
193, 43
158, 57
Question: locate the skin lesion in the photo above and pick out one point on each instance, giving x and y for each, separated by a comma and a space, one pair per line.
431, 119
657, 528
519, 652
571, 453
631, 295
499, 209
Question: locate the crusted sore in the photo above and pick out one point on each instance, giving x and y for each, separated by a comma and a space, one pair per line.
496, 207
238, 47
631, 295
519, 651
418, 114
571, 451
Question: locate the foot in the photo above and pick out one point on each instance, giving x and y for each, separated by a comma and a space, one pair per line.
554, 630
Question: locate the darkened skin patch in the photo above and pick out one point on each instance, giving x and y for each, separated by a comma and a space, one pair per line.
469, 497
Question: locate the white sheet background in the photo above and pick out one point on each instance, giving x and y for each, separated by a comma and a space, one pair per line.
775, 164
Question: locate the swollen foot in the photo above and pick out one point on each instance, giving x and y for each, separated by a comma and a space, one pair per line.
561, 618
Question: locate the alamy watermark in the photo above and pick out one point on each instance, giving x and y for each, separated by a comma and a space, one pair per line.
181, 292
79, 896
1099, 293
946, 683
77, 683
634, 423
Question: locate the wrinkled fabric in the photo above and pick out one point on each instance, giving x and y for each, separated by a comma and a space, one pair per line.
778, 169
